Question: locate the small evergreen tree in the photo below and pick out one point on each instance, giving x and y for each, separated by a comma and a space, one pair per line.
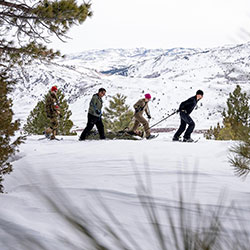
37, 121
8, 127
236, 126
117, 116
213, 132
236, 119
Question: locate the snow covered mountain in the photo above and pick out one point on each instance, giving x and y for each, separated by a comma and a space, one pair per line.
170, 75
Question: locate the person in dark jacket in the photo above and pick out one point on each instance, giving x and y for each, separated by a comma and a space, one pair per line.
95, 115
185, 110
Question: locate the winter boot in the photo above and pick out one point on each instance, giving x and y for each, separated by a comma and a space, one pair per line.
141, 134
48, 132
150, 137
188, 140
47, 136
176, 138
53, 135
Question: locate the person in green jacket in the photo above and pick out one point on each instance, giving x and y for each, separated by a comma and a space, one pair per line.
95, 115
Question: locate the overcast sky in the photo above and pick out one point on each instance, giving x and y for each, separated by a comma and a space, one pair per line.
159, 24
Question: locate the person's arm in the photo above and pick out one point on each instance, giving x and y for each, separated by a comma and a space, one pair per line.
148, 112
51, 104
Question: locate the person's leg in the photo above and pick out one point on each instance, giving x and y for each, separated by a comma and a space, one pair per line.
100, 127
136, 125
48, 132
145, 124
181, 129
90, 125
54, 126
190, 128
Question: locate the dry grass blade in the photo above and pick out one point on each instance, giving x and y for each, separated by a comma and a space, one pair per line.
20, 236
116, 222
74, 217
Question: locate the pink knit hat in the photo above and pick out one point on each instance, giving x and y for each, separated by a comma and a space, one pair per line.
148, 96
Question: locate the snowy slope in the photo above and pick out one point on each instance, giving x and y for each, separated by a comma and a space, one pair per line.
228, 63
171, 76
108, 59
93, 171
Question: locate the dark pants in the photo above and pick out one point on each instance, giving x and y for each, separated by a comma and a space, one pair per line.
185, 119
93, 120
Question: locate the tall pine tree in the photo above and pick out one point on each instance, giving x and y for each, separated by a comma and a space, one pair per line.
237, 115
37, 121
8, 127
236, 126
25, 28
236, 118
240, 159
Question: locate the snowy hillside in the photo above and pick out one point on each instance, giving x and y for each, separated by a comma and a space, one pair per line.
171, 76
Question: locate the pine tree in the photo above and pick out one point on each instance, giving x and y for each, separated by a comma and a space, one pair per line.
117, 116
37, 121
236, 126
31, 23
65, 124
240, 159
7, 128
236, 118
237, 115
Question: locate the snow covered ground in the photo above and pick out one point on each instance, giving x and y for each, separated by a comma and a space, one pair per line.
81, 176
108, 170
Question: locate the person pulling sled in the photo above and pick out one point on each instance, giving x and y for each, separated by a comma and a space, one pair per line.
140, 107
185, 110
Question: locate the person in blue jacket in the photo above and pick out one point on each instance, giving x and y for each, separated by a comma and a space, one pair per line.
185, 110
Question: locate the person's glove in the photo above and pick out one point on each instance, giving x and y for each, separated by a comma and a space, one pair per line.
177, 111
149, 116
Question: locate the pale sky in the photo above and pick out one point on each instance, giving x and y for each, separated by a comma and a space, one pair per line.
160, 24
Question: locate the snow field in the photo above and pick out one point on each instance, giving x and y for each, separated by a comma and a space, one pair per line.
92, 172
